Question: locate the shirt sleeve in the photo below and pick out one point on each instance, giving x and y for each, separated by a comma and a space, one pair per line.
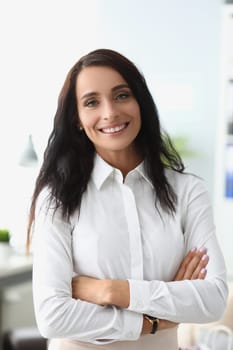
190, 301
58, 315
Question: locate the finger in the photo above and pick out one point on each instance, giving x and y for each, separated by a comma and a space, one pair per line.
202, 265
199, 261
189, 264
183, 266
202, 274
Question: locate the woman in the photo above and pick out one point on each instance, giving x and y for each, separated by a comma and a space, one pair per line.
116, 218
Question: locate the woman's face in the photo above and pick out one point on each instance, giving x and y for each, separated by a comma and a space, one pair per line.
108, 111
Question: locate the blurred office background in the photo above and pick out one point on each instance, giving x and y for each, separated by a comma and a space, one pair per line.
181, 48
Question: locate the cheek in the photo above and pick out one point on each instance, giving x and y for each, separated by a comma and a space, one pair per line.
134, 110
137, 115
88, 121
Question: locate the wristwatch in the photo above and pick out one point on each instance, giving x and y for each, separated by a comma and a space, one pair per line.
154, 321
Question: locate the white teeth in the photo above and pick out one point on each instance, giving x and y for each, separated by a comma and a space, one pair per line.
112, 130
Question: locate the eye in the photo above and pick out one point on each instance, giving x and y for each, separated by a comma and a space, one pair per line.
91, 103
122, 96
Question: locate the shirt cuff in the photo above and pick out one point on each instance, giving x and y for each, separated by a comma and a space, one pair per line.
139, 296
132, 325
151, 297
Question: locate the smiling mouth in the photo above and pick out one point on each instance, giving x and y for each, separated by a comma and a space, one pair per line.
114, 130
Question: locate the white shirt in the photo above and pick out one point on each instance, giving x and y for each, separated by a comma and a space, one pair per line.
120, 234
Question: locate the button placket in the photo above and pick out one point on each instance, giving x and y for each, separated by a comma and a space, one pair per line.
134, 232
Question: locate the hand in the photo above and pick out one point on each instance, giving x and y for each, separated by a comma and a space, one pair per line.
193, 265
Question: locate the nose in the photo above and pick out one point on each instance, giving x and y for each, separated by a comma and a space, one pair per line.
109, 111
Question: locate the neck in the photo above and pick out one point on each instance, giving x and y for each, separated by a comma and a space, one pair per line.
122, 160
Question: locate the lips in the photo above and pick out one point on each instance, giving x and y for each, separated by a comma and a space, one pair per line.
115, 129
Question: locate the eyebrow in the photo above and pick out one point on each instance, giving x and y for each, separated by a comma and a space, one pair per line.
115, 88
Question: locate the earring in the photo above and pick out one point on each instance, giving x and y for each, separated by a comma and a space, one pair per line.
80, 127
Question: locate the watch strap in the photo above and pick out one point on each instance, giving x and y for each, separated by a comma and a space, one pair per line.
154, 321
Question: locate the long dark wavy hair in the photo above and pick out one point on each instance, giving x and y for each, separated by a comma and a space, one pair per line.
69, 155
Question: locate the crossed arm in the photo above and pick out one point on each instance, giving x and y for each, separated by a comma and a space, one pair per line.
117, 293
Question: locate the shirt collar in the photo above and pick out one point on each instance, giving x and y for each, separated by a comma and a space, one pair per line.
102, 170
142, 171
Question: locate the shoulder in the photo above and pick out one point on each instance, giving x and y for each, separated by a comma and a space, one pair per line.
49, 210
45, 200
186, 184
47, 206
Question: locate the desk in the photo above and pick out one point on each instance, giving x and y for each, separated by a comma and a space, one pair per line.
15, 269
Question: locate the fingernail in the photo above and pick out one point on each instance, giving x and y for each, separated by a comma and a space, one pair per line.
204, 257
193, 249
203, 270
202, 249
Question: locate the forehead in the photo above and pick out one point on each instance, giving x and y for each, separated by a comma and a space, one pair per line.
97, 79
